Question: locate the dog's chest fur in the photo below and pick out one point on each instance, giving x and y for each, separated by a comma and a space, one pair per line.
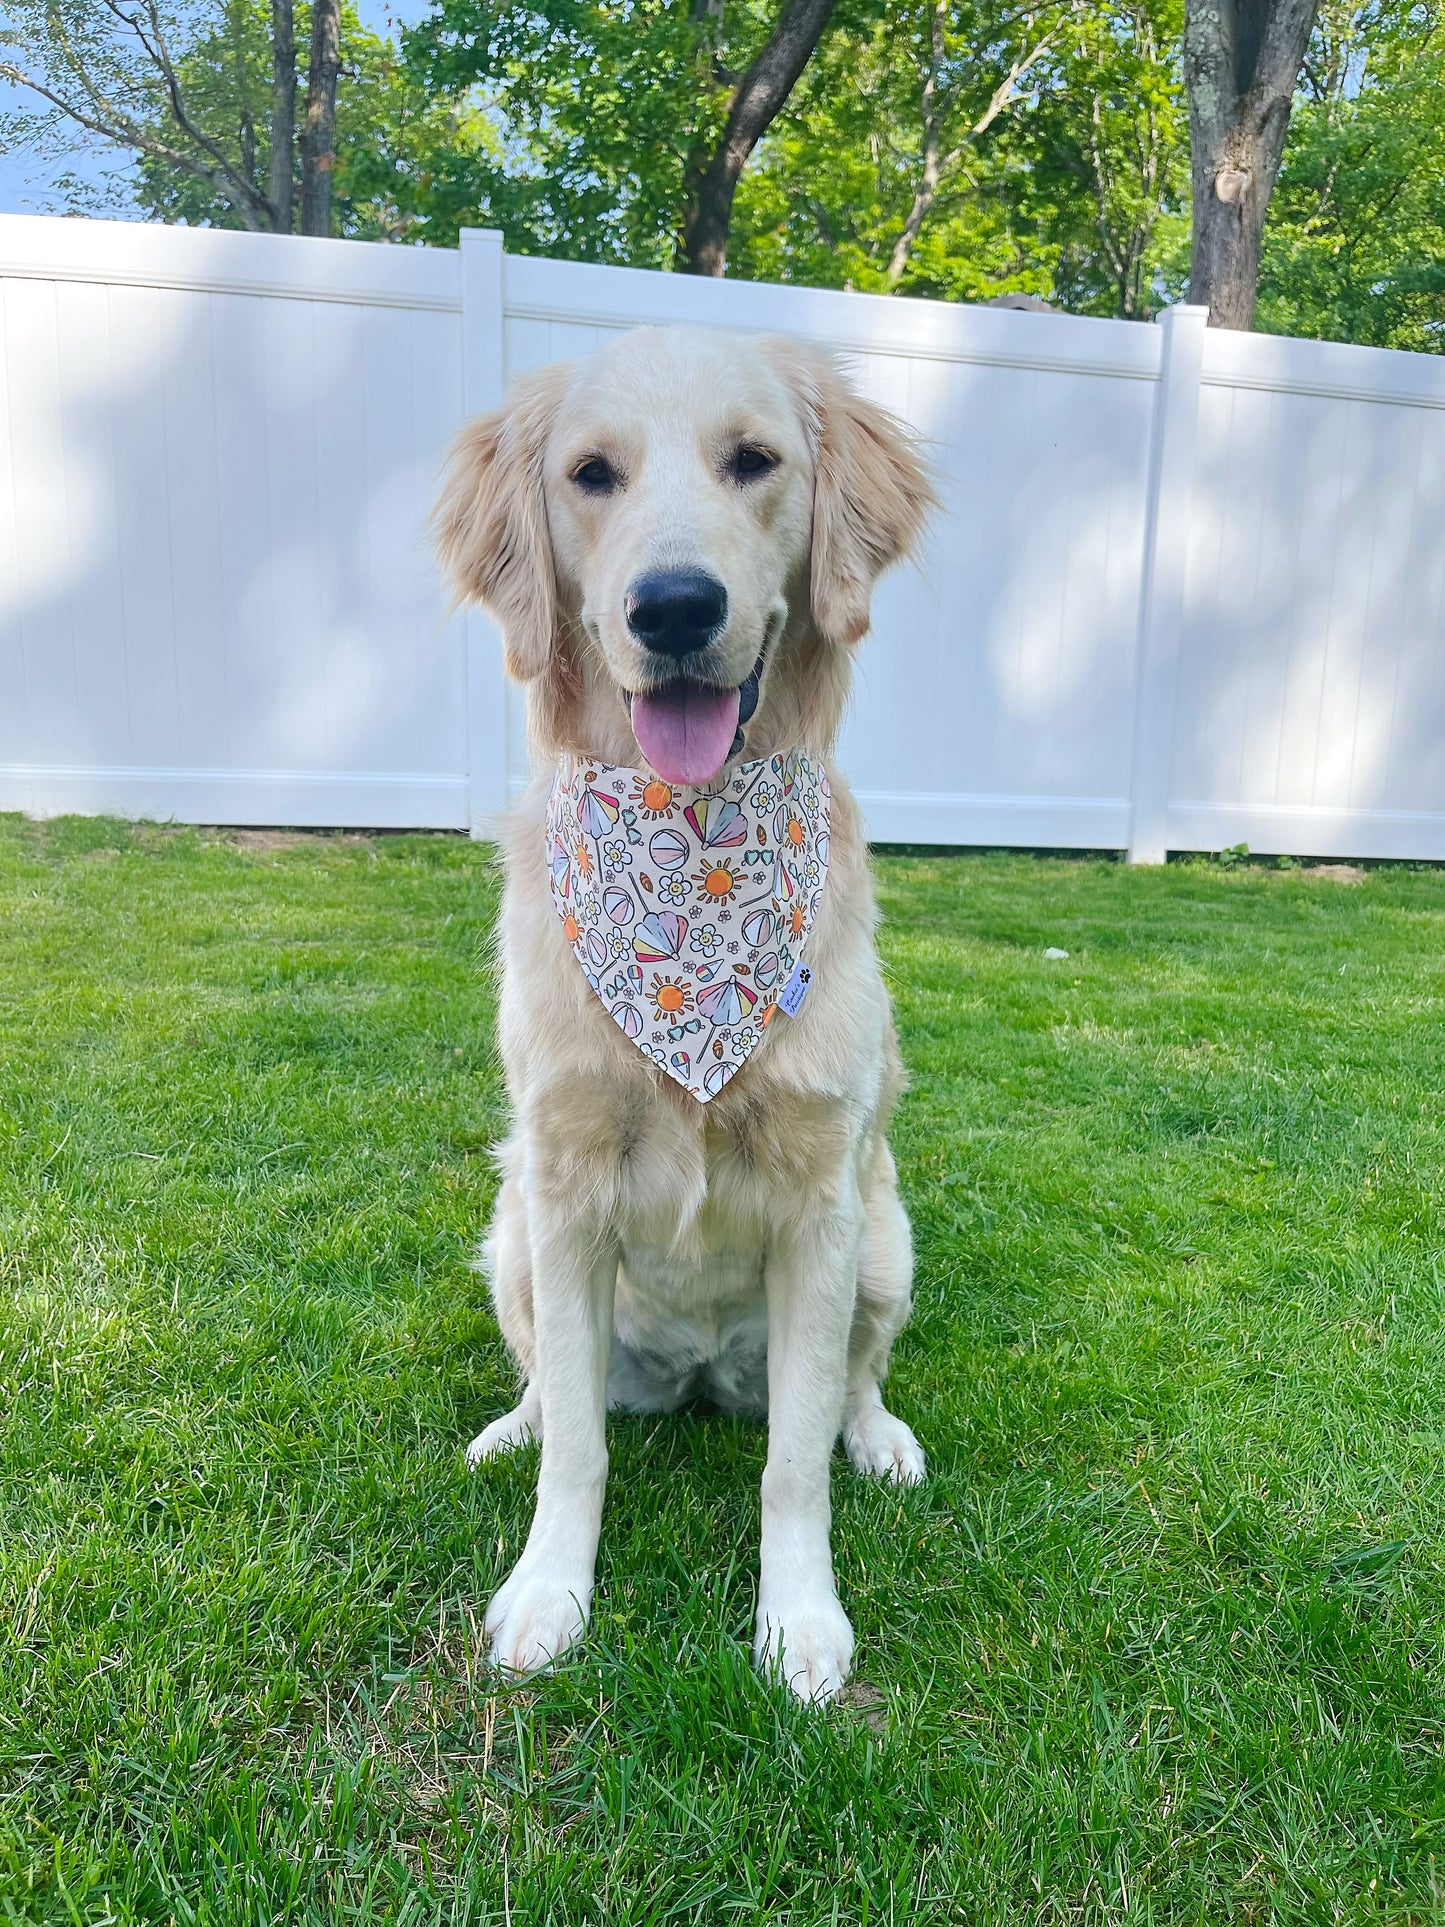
693, 1195
696, 1202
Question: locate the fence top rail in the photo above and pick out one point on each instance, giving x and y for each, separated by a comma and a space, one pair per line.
1343, 370
537, 289
218, 261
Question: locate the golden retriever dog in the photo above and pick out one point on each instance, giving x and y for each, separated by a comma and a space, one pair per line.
678, 537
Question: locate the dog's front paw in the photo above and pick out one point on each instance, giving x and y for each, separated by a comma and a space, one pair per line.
809, 1643
883, 1447
504, 1434
535, 1617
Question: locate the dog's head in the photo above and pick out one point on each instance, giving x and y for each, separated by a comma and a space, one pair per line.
679, 537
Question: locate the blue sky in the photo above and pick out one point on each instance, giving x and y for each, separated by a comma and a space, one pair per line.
30, 185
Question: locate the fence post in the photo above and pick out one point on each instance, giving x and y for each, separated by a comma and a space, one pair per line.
482, 383
1161, 602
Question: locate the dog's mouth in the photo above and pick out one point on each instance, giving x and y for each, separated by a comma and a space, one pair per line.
688, 730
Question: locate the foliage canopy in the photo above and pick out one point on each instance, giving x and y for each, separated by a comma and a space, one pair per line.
961, 149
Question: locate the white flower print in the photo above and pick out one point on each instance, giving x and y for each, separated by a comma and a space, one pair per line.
616, 854
674, 888
765, 799
706, 941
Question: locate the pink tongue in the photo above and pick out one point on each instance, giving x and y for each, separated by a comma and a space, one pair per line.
685, 732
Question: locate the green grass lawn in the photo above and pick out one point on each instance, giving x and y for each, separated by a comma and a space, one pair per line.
1162, 1638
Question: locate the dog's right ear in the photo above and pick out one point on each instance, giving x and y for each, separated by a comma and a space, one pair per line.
491, 519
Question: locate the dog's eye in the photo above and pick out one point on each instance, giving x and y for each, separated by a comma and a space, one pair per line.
596, 476
749, 462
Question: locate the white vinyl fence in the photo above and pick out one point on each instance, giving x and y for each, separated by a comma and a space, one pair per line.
1187, 589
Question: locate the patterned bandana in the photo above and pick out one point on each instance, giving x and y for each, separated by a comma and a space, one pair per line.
688, 909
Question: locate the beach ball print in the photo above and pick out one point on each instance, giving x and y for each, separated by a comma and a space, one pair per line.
629, 1019
758, 928
765, 971
598, 955
726, 1003
619, 905
659, 936
668, 849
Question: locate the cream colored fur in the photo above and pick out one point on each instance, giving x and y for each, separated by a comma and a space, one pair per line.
647, 1248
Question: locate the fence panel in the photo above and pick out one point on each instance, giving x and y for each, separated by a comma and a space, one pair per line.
221, 604
1311, 704
1174, 600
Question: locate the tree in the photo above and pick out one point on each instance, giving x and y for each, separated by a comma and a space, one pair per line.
1242, 60
978, 148
754, 101
318, 127
179, 88
631, 121
890, 141
1108, 179
1355, 247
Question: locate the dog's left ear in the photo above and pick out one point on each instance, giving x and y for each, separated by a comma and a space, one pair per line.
871, 492
491, 521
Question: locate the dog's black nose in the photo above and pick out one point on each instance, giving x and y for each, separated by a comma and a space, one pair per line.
676, 611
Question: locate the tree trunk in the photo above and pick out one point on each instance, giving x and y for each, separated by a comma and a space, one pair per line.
318, 130
281, 191
1241, 62
757, 100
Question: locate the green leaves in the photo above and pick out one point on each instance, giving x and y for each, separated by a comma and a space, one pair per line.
1355, 247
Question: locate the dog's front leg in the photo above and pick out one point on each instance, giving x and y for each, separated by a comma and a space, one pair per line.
811, 1282
545, 1603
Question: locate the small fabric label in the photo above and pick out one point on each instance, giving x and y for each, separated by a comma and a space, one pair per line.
790, 997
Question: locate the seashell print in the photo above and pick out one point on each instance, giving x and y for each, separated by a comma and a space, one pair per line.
619, 905
758, 926
659, 936
596, 813
717, 823
726, 1003
668, 849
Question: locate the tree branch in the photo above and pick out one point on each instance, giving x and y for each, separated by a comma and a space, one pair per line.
934, 168
124, 132
757, 100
